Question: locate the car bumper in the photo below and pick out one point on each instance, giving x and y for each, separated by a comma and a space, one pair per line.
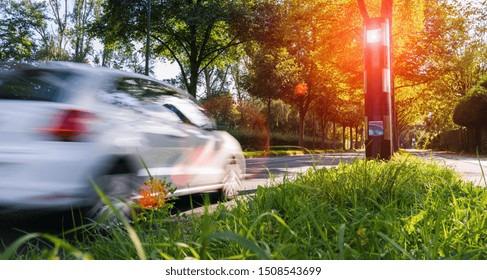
48, 175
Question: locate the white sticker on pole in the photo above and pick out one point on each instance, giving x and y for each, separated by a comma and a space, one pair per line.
386, 80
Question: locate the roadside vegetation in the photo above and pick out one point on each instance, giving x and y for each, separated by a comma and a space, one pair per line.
405, 208
276, 151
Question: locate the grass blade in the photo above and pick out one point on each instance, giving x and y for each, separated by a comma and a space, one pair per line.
120, 217
242, 241
12, 249
341, 241
397, 246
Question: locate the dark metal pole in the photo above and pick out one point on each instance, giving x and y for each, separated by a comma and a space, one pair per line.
147, 45
378, 112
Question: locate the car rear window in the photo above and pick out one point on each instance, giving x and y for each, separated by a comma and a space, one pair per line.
36, 85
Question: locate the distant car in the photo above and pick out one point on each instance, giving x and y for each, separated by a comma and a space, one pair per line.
64, 126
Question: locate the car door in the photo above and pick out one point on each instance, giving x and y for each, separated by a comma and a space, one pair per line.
165, 143
203, 168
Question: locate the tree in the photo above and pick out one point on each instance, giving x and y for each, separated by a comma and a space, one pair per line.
216, 81
271, 76
439, 65
19, 23
470, 112
194, 34
222, 109
471, 109
60, 12
336, 72
84, 12
307, 31
47, 30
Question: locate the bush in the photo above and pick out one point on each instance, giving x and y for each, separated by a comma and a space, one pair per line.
472, 108
256, 140
251, 140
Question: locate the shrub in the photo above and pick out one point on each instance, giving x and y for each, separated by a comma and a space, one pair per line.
470, 111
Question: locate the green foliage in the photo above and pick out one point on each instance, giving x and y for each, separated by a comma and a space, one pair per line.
404, 209
194, 34
11, 250
251, 140
304, 52
83, 14
471, 109
272, 75
439, 64
257, 140
19, 22
46, 30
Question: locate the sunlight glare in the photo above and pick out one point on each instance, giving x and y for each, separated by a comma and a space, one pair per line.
373, 35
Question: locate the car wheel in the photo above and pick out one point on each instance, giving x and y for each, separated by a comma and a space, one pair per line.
232, 182
118, 189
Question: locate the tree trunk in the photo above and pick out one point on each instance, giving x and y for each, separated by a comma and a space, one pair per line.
314, 132
193, 80
302, 114
351, 138
207, 82
323, 132
269, 122
194, 62
363, 9
303, 110
301, 130
334, 135
357, 146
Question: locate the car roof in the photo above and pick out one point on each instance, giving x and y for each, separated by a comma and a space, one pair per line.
87, 69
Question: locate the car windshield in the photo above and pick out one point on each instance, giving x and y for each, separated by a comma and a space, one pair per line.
36, 85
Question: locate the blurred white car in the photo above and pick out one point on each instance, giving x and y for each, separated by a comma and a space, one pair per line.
66, 125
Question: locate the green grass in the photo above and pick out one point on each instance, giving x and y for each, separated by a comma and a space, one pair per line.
286, 151
405, 208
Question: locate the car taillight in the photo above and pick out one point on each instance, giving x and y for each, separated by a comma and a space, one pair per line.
70, 125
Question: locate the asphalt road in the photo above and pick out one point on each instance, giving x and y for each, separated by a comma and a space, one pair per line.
266, 171
471, 167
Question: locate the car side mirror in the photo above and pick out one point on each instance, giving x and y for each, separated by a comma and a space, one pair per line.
209, 124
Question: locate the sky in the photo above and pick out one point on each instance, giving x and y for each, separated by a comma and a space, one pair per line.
165, 70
